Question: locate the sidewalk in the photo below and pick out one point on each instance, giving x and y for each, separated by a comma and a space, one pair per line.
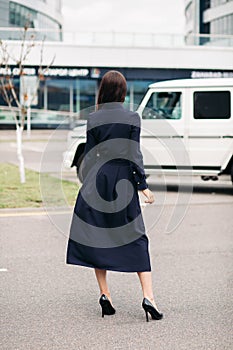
46, 304
33, 151
36, 135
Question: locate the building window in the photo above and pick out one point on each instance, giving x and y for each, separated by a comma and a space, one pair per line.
20, 16
84, 96
58, 95
212, 105
215, 3
222, 25
229, 24
207, 4
135, 93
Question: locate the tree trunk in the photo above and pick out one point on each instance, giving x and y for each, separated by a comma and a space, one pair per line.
28, 121
19, 132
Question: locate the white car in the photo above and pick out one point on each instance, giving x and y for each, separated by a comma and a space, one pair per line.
186, 127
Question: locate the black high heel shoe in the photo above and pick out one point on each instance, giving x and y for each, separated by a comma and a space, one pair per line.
107, 308
148, 307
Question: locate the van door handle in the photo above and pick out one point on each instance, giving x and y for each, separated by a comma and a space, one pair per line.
227, 137
177, 136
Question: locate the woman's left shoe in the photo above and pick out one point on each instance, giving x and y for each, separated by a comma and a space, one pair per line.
149, 308
107, 308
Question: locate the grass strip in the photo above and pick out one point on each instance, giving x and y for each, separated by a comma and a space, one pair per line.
39, 190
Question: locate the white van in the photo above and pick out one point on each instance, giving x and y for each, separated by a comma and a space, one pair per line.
186, 125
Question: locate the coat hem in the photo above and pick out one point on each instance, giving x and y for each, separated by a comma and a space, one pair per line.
108, 268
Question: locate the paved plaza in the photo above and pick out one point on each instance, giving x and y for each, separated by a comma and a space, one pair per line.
46, 304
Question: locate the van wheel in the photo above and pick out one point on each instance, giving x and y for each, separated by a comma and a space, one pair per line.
79, 167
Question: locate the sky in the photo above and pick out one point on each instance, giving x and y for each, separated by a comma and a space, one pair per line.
154, 16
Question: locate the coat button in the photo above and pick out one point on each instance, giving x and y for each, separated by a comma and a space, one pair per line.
134, 172
138, 183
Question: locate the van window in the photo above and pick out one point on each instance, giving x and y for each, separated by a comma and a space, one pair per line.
163, 105
212, 105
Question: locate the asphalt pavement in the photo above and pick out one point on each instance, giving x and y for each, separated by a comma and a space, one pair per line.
46, 304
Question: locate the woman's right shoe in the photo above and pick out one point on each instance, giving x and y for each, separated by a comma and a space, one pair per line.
107, 308
149, 308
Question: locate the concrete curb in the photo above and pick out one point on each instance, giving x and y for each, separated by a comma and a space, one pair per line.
34, 210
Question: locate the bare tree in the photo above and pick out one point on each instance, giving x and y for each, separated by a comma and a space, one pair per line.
19, 102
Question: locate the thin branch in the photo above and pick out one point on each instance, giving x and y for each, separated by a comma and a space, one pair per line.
5, 94
12, 89
7, 82
41, 70
22, 46
8, 99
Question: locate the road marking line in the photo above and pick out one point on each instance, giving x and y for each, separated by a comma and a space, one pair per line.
3, 270
38, 213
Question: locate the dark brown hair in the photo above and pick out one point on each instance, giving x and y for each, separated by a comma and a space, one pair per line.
113, 88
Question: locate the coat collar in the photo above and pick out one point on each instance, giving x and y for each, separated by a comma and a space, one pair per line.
112, 105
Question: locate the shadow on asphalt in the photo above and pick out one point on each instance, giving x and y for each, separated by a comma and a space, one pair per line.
197, 188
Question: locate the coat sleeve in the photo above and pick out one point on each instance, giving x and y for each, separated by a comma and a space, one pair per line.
136, 155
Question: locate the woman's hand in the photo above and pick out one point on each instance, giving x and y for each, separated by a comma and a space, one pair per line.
149, 195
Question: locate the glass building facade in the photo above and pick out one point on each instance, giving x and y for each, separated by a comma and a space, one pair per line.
75, 95
69, 89
59, 95
214, 17
41, 16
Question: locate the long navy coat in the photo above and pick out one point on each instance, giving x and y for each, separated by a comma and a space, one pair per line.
107, 230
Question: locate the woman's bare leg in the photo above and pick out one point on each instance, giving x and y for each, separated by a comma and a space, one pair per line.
146, 283
101, 276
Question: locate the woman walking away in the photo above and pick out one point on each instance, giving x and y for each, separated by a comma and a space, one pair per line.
107, 230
